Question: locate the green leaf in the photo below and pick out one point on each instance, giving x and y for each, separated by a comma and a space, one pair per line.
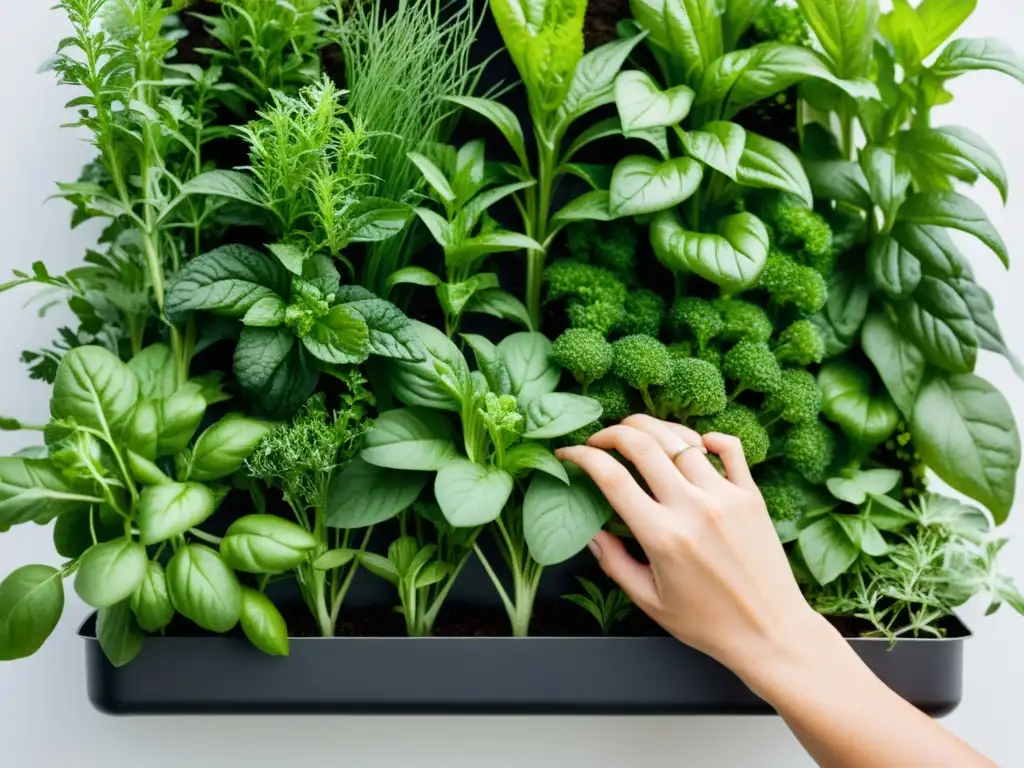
109, 573
226, 281
32, 490
962, 520
274, 370
94, 389
848, 398
733, 260
641, 103
597, 175
379, 566
894, 270
887, 180
826, 549
559, 519
473, 248
937, 319
31, 604
863, 533
335, 558
846, 31
268, 312
410, 439
907, 32
899, 363
154, 368
847, 305
982, 309
590, 206
178, 418
489, 363
521, 458
471, 494
944, 208
978, 53
965, 432
866, 482
223, 447
151, 602
737, 18
467, 219
263, 624
168, 510
439, 381
391, 335
434, 176
593, 81
72, 531
223, 183
956, 151
643, 185
500, 304
719, 145
118, 633
838, 180
768, 164
433, 573
203, 589
886, 513
559, 413
502, 117
341, 337
942, 18
292, 257
931, 246
375, 219
688, 33
265, 544
413, 276
363, 494
532, 373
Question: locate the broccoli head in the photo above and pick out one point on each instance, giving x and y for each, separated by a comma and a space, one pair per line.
680, 349
801, 344
797, 398
694, 388
810, 449
753, 366
793, 284
743, 320
600, 316
614, 397
711, 355
568, 279
783, 499
793, 224
642, 362
741, 422
581, 435
698, 318
580, 237
583, 352
610, 246
781, 23
644, 313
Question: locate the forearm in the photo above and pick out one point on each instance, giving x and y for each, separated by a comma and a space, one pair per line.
844, 716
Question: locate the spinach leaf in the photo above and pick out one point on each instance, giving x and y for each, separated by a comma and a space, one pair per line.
471, 494
226, 281
363, 494
94, 389
275, 372
559, 519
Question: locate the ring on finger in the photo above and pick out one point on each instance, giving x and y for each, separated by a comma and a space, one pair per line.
676, 454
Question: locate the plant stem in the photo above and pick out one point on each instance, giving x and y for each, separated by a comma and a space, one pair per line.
209, 538
539, 209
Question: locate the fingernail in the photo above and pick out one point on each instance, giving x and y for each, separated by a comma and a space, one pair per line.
594, 548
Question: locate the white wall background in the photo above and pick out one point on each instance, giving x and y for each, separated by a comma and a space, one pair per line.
45, 718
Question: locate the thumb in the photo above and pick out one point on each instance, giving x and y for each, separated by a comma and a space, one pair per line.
635, 578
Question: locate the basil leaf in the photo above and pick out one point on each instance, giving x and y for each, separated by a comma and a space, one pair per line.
265, 544
591, 206
840, 180
109, 573
738, 16
643, 185
937, 319
471, 494
944, 208
931, 246
593, 80
118, 633
169, 510
31, 604
154, 368
559, 413
274, 371
899, 363
642, 103
887, 179
500, 116
720, 146
224, 183
521, 458
982, 310
978, 53
956, 151
226, 281
866, 482
849, 399
965, 431
203, 589
863, 533
413, 276
846, 31
439, 381
559, 519
263, 624
942, 18
223, 447
490, 364
32, 490
527, 357
363, 494
768, 164
847, 304
894, 270
151, 602
500, 304
473, 248
410, 439
94, 389
72, 531
826, 549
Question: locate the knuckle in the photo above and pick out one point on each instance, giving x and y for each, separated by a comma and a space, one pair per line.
715, 515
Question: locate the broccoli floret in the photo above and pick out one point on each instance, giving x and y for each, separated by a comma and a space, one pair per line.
583, 352
782, 23
801, 344
753, 366
579, 239
810, 449
680, 349
743, 320
615, 250
581, 435
600, 316
574, 280
613, 395
797, 399
698, 318
694, 388
794, 224
783, 500
741, 422
644, 313
711, 355
642, 362
793, 284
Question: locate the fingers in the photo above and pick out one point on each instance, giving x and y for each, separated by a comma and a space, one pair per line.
649, 457
635, 507
730, 450
635, 578
693, 464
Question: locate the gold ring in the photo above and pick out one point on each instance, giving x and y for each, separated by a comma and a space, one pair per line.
680, 452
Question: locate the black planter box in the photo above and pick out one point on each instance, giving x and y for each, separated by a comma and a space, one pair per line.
493, 676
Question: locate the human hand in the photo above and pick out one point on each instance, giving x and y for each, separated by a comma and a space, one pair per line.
718, 578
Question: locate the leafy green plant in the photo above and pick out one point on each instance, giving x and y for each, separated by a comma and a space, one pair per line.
608, 609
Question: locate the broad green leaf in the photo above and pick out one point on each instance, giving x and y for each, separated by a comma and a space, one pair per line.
887, 180
719, 145
263, 624
602, 129
559, 413
866, 482
893, 269
593, 81
733, 260
363, 494
473, 248
268, 312
203, 589
957, 151
933, 247
965, 432
737, 18
907, 33
687, 32
168, 510
471, 494
375, 219
154, 368
849, 398
145, 471
500, 304
31, 604
73, 531
960, 519
265, 544
532, 373
846, 31
94, 389
109, 573
320, 273
838, 180
982, 309
642, 103
413, 276
590, 206
938, 321
226, 281
643, 185
941, 18
899, 363
770, 165
440, 381
502, 117
333, 559
32, 490
119, 634
471, 213
274, 370
524, 457
223, 447
391, 335
410, 439
558, 519
978, 53
151, 602
341, 337
847, 305
489, 363
950, 209
887, 514
826, 549
178, 418
379, 566
224, 183
863, 533
434, 176
596, 175
292, 257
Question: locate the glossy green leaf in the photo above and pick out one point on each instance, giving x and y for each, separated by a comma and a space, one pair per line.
907, 33
168, 510
899, 363
265, 544
558, 519
866, 482
944, 208
178, 418
942, 18
109, 573
224, 183
847, 304
500, 304
375, 219
559, 413
501, 117
340, 337
768, 164
849, 398
978, 53
863, 533
846, 31
644, 185
31, 604
413, 276
527, 357
94, 389
390, 334
719, 145
938, 321
154, 368
887, 179
893, 269
363, 494
292, 257
473, 248
593, 81
439, 381
119, 634
982, 309
933, 247
223, 447
524, 457
471, 494
737, 17
268, 312
838, 180
411, 439
263, 624
826, 549
489, 363
434, 176
642, 103
151, 602
32, 490
958, 151
204, 589
590, 206
274, 370
689, 32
